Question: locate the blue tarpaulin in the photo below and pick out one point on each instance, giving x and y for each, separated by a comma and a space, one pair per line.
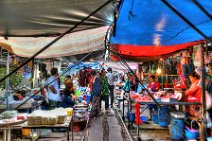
152, 23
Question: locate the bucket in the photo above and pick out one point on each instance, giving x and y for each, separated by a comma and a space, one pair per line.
69, 111
155, 116
177, 130
26, 131
143, 118
191, 133
88, 97
163, 116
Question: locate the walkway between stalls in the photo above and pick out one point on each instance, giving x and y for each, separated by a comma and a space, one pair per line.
105, 128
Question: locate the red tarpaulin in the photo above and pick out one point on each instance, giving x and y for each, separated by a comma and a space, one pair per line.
141, 52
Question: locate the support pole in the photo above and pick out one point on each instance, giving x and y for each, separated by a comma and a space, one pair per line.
203, 127
33, 73
7, 80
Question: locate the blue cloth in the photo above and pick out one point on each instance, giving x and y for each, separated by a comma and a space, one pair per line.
140, 87
67, 102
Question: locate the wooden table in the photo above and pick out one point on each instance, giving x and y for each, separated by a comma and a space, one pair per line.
7, 127
66, 126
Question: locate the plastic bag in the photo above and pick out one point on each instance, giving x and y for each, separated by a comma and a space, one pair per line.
209, 121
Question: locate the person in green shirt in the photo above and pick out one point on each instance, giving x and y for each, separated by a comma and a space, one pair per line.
105, 89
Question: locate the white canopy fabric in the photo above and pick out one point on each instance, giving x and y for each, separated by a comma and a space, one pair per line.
71, 44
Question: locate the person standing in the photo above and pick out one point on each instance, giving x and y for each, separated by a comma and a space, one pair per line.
95, 95
52, 87
111, 80
105, 89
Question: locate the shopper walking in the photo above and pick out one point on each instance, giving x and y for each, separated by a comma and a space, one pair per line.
111, 80
95, 95
105, 89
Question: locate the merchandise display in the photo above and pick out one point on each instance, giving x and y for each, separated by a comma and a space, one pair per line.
51, 117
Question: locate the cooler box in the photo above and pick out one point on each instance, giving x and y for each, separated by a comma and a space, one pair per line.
163, 116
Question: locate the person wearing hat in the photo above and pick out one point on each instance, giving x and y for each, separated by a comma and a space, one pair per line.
111, 80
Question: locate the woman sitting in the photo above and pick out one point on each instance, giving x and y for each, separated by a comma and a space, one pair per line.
69, 97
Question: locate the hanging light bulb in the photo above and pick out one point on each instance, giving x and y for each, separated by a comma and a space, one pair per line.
159, 71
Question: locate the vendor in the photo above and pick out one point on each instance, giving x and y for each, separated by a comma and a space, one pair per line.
153, 85
128, 83
69, 97
194, 91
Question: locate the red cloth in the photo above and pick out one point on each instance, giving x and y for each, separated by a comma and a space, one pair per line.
194, 92
141, 52
137, 114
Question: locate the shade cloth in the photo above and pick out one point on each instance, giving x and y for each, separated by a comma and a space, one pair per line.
71, 44
50, 17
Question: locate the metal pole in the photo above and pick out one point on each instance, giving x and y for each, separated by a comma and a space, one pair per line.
202, 8
32, 71
186, 20
123, 118
7, 80
163, 72
203, 128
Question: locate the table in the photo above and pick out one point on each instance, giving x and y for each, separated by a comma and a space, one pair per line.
66, 125
7, 127
148, 103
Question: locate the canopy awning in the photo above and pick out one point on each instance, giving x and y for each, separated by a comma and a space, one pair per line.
71, 44
50, 17
147, 53
151, 22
